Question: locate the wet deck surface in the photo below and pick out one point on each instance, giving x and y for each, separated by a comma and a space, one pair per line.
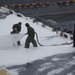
60, 64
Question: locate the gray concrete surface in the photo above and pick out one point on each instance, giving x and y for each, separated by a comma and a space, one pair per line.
60, 64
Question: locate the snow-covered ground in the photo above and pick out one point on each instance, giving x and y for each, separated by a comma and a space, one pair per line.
17, 55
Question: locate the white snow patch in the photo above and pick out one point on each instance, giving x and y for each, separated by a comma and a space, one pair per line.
55, 71
70, 74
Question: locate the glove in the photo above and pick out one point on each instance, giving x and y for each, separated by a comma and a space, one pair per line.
25, 33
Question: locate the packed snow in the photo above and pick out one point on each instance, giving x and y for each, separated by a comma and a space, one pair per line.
17, 55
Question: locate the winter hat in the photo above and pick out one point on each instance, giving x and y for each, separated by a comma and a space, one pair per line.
19, 23
27, 24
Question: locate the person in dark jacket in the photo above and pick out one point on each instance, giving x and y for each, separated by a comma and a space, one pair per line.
16, 29
74, 37
31, 36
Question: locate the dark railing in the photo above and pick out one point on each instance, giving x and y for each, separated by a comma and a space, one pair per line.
62, 26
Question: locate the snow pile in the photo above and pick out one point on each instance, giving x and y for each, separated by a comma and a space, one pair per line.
17, 55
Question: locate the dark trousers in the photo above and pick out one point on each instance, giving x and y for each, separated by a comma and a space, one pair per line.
30, 40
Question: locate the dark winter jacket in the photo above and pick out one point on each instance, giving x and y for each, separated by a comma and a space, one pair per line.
12, 32
30, 32
17, 27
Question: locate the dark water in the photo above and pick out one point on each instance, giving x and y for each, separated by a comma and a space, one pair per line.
69, 26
